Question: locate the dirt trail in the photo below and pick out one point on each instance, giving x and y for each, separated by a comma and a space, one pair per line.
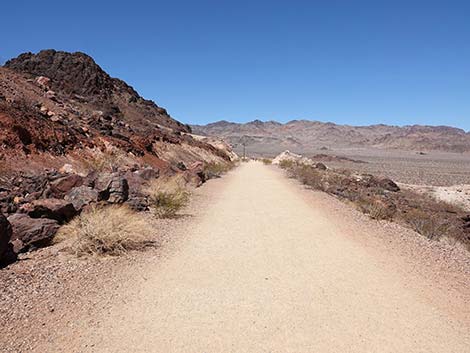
263, 270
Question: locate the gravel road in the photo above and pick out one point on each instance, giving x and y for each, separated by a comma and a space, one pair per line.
267, 268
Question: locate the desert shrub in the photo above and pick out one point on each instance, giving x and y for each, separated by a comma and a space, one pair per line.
266, 161
215, 170
286, 164
430, 225
376, 209
167, 196
308, 176
427, 216
111, 230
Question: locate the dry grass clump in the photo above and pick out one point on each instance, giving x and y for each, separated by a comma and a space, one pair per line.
106, 161
267, 161
167, 196
110, 230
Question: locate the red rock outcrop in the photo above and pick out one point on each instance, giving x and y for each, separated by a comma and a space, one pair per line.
72, 136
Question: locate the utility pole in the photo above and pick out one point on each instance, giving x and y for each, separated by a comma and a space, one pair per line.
243, 143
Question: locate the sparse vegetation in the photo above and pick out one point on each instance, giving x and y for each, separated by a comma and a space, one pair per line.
267, 161
377, 198
286, 164
111, 230
106, 161
377, 210
215, 170
429, 225
167, 196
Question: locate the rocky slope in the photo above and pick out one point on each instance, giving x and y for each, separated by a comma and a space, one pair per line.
308, 136
71, 136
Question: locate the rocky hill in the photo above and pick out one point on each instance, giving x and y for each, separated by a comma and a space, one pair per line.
77, 77
72, 136
58, 107
308, 136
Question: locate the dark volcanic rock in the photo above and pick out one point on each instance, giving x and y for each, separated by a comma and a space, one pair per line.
81, 196
61, 186
73, 73
138, 203
148, 173
388, 184
6, 250
112, 187
77, 76
31, 232
60, 210
371, 181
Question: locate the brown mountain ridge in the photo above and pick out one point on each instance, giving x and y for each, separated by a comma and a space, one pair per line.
306, 136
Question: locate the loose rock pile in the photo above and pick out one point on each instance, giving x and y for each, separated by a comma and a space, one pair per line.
33, 207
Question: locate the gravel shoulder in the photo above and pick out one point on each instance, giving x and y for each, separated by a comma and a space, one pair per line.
258, 264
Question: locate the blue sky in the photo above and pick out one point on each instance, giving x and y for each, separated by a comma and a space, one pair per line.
356, 62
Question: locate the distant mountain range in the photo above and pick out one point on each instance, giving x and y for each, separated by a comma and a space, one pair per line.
305, 136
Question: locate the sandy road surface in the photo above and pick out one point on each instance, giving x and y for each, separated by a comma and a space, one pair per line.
263, 270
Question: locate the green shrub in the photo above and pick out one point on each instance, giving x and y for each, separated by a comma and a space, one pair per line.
167, 197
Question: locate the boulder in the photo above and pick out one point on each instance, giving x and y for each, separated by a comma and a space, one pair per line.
60, 210
31, 232
112, 187
148, 173
51, 95
63, 185
138, 203
67, 169
195, 174
6, 250
320, 166
286, 156
135, 182
388, 184
371, 181
81, 196
90, 179
43, 81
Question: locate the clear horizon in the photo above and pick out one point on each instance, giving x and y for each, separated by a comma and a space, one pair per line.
321, 121
365, 63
